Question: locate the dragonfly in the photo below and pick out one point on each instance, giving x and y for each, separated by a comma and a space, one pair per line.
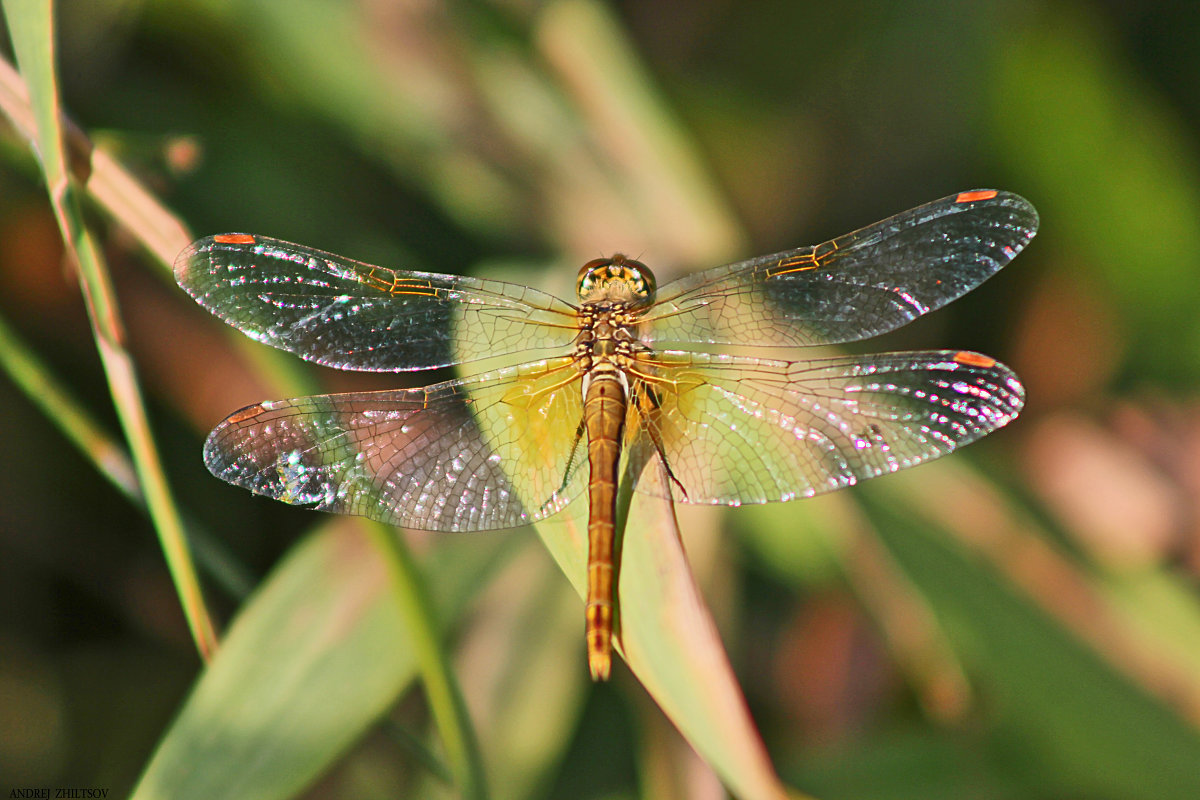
629, 373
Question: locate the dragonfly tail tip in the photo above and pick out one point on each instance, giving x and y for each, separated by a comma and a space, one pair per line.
600, 665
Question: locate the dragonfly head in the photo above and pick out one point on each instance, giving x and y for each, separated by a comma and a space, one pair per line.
618, 279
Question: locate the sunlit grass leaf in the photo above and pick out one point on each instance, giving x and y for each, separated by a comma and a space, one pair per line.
317, 655
31, 26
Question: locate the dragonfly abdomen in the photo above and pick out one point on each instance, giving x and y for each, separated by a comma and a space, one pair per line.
604, 404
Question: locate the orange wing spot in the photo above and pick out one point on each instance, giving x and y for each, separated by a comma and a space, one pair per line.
250, 412
974, 359
971, 197
234, 238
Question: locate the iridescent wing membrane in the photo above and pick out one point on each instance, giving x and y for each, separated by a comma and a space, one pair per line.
504, 448
736, 430
854, 287
416, 458
346, 314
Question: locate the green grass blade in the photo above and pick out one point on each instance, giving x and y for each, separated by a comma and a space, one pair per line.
31, 25
107, 182
75, 423
317, 654
50, 395
313, 660
445, 697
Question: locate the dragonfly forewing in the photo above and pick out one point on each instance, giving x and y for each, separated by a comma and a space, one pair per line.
856, 286
344, 313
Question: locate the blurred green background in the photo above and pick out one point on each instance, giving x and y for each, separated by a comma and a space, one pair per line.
1020, 620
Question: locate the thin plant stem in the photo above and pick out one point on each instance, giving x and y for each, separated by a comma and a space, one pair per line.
441, 688
32, 26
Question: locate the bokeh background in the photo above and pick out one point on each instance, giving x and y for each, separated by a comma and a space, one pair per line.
1020, 620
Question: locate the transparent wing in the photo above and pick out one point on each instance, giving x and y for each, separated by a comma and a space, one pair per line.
742, 430
346, 314
853, 287
495, 451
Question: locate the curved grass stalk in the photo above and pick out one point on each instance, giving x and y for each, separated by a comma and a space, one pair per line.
441, 688
32, 27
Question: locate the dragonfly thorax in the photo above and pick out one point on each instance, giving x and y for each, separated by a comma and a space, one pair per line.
617, 279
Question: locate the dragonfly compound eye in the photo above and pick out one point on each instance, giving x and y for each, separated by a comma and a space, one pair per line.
617, 278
